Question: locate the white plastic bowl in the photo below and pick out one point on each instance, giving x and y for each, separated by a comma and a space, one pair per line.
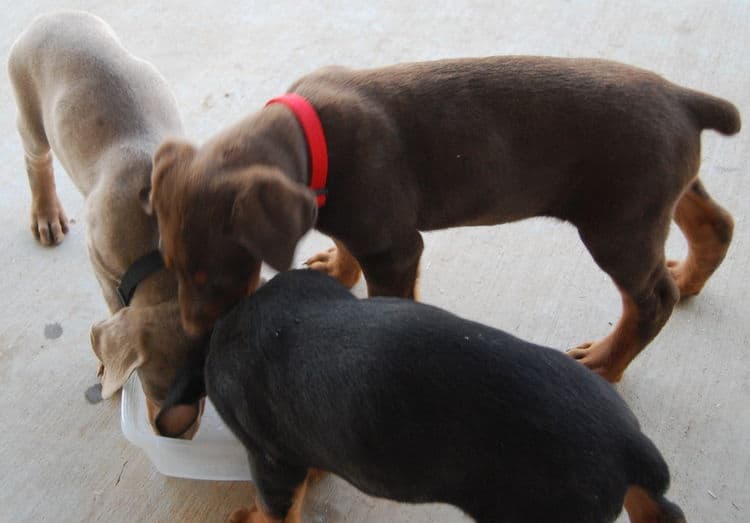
213, 454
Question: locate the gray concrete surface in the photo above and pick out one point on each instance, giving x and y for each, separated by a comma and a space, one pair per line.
65, 460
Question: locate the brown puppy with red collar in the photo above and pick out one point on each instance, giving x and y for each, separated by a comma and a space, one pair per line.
610, 148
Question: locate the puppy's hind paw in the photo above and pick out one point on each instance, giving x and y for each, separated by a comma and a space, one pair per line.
688, 281
595, 356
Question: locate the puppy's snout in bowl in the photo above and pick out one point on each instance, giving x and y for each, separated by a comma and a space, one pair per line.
179, 421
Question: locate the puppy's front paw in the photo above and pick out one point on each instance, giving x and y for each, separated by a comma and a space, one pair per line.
338, 264
49, 225
596, 356
241, 515
248, 515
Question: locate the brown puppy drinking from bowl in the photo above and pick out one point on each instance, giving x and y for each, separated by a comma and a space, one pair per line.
612, 149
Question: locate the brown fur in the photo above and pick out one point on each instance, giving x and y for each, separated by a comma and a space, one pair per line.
610, 148
708, 229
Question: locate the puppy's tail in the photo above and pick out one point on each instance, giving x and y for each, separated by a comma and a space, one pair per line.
711, 112
649, 479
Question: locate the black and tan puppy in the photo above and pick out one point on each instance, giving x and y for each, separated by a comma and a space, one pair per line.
612, 149
408, 402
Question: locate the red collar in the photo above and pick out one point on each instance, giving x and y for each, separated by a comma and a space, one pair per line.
316, 141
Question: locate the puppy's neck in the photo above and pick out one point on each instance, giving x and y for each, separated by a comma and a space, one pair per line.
158, 287
123, 172
270, 137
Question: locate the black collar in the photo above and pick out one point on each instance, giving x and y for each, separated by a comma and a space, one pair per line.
141, 269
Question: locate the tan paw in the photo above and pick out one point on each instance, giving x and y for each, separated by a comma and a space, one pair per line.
343, 267
321, 261
242, 515
596, 356
250, 515
49, 225
682, 277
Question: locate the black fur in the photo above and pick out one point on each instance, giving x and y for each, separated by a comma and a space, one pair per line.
409, 402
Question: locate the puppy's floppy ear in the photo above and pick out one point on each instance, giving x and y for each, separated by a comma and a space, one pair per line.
270, 214
181, 410
117, 343
169, 155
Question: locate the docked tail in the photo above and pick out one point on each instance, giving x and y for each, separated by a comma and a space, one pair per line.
648, 477
711, 112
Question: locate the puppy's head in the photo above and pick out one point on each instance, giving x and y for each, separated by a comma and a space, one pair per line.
148, 340
218, 222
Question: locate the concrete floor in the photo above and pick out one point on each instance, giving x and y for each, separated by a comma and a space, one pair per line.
66, 460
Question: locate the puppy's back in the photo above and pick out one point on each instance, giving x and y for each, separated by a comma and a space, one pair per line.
305, 317
66, 39
336, 361
409, 402
70, 71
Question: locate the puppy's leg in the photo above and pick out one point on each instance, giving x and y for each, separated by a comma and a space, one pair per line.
280, 492
49, 224
708, 230
642, 508
394, 272
337, 262
633, 256
48, 221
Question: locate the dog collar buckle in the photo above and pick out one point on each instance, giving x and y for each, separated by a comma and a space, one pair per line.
317, 150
